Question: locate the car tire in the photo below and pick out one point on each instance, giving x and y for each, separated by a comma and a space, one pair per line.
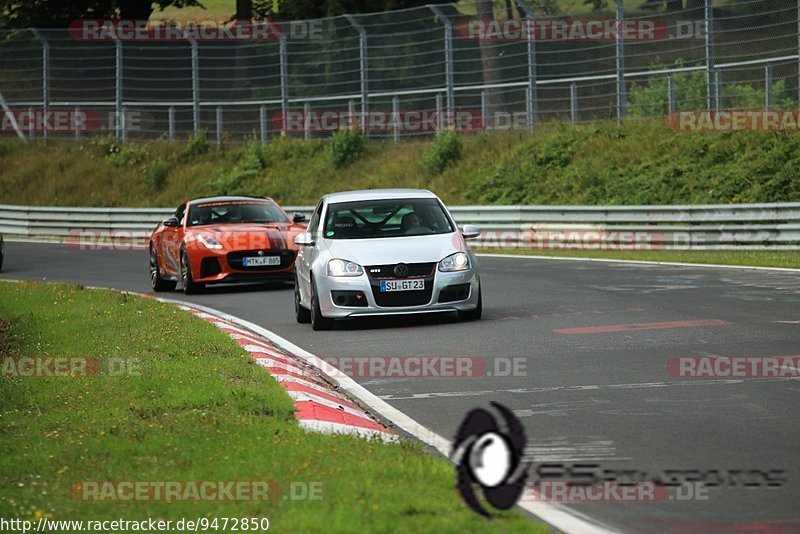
473, 315
156, 282
318, 322
190, 287
303, 315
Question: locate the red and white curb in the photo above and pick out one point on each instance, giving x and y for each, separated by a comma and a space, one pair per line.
319, 406
301, 367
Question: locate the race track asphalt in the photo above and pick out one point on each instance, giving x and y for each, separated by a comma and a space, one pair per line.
591, 392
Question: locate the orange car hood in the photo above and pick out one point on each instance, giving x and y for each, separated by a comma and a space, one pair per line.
251, 236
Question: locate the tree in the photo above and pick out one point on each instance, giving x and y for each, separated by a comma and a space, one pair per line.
315, 9
489, 59
60, 13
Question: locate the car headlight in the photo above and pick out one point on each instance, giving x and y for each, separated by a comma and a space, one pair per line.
455, 262
209, 242
337, 267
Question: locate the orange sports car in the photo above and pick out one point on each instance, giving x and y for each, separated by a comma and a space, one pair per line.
223, 240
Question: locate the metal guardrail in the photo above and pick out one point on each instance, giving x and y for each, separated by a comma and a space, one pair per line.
726, 226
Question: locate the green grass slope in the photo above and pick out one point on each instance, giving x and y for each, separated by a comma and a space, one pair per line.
642, 162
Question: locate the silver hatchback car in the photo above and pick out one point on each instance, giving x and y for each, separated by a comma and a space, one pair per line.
383, 252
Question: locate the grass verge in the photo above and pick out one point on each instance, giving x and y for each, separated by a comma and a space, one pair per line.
200, 409
755, 258
640, 162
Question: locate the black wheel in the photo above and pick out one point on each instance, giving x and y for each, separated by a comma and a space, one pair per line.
303, 315
156, 282
189, 285
318, 322
473, 315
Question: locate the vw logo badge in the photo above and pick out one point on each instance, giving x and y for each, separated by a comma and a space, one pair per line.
401, 270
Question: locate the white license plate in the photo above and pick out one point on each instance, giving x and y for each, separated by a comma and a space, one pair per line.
401, 285
261, 261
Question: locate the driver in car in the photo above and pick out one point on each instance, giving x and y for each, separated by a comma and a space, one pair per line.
411, 224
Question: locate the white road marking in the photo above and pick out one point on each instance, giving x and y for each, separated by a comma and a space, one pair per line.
638, 262
587, 387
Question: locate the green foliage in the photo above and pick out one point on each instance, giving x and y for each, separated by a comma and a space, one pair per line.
197, 145
128, 155
60, 13
639, 162
445, 150
250, 161
650, 99
346, 146
157, 174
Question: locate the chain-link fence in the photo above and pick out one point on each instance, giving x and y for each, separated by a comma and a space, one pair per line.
404, 73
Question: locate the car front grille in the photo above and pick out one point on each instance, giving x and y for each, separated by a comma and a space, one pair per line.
235, 260
386, 272
394, 299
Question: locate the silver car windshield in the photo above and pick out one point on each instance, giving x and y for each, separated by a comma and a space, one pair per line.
369, 219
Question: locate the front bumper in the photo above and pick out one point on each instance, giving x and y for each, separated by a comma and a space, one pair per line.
440, 284
211, 266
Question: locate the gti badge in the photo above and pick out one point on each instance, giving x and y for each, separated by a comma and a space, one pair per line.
488, 451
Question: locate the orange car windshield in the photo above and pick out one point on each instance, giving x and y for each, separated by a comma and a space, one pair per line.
235, 212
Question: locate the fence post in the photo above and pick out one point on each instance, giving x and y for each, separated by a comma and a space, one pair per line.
262, 118
75, 122
438, 122
171, 123
709, 14
448, 57
119, 86
573, 102
620, 52
45, 75
351, 110
123, 122
484, 109
219, 125
284, 82
671, 94
195, 85
719, 93
306, 120
768, 87
363, 69
532, 97
396, 118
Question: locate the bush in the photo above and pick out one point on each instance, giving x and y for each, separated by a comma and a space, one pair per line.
250, 161
128, 155
157, 174
197, 145
346, 146
650, 99
444, 150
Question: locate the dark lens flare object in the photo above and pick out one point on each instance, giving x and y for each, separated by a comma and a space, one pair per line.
483, 431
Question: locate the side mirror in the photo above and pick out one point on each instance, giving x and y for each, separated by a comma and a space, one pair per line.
298, 218
304, 239
172, 222
470, 231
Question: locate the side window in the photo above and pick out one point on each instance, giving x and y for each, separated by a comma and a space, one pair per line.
313, 224
180, 212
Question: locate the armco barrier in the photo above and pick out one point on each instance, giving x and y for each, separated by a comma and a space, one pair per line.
729, 226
